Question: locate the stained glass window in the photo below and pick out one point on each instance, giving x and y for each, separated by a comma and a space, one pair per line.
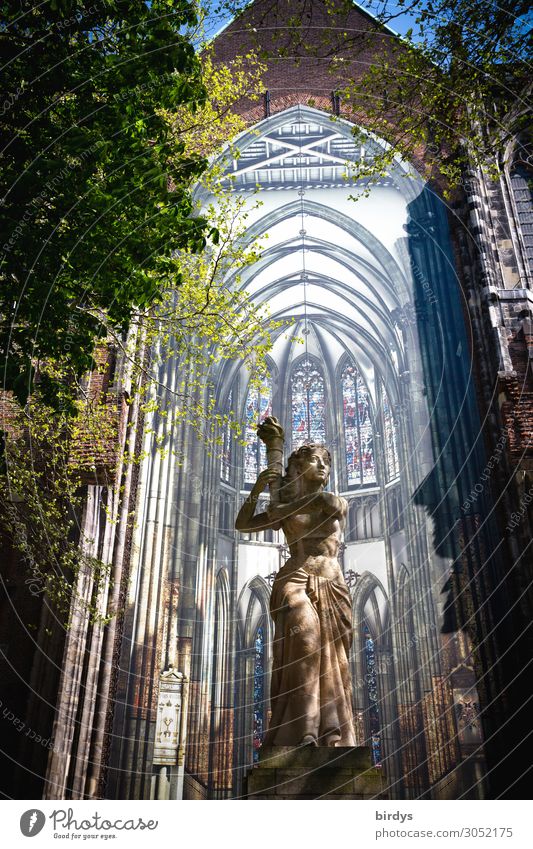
308, 407
259, 692
391, 440
227, 445
358, 431
372, 691
258, 407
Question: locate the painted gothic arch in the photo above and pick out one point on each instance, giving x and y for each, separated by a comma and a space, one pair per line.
343, 273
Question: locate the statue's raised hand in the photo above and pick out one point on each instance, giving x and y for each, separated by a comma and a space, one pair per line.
266, 477
271, 432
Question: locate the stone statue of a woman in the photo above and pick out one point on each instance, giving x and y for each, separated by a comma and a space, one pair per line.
311, 691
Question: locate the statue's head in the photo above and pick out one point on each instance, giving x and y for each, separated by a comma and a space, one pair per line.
311, 463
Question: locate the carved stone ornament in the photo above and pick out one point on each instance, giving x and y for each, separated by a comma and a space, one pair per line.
169, 710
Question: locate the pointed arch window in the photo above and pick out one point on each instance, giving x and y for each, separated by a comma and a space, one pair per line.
390, 437
358, 432
259, 691
308, 404
226, 459
258, 407
374, 726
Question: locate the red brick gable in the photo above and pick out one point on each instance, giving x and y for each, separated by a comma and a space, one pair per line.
305, 61
310, 53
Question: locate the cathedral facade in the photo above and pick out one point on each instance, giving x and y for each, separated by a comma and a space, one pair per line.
406, 350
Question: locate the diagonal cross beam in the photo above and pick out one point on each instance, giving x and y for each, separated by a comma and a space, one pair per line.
309, 148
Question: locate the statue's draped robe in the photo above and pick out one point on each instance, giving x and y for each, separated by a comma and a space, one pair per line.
311, 692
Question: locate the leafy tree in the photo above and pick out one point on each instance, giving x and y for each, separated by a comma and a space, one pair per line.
49, 453
201, 317
41, 501
455, 90
198, 318
94, 199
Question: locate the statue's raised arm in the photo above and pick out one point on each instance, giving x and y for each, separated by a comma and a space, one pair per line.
271, 433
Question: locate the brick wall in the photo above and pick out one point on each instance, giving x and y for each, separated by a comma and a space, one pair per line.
306, 63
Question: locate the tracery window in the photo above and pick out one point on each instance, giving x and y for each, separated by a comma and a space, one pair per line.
390, 437
259, 691
308, 404
358, 433
258, 407
226, 459
372, 692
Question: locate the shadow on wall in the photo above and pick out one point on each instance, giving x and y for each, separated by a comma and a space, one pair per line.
456, 494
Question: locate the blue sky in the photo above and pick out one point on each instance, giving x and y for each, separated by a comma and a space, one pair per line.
400, 24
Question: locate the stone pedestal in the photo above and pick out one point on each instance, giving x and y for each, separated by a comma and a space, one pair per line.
314, 772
